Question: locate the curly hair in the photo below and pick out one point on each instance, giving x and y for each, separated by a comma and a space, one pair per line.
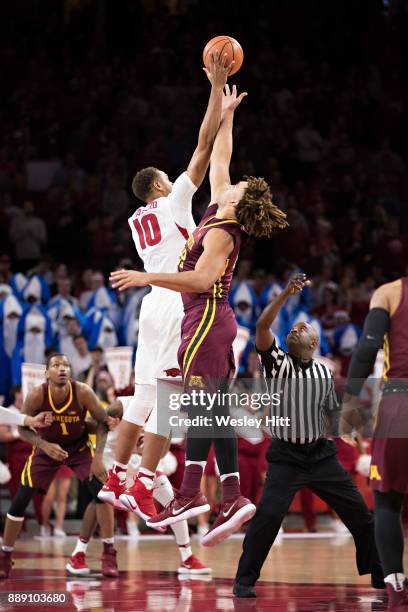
256, 210
143, 182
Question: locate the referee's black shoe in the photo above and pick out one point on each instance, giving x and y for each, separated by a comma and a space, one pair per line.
243, 590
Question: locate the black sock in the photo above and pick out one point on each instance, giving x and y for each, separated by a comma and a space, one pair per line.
388, 530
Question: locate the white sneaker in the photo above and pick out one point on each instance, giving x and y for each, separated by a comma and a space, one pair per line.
59, 533
45, 531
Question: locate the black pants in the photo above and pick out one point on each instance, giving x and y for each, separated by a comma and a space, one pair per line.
291, 467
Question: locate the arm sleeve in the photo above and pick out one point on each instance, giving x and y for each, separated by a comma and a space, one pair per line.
7, 417
180, 200
376, 325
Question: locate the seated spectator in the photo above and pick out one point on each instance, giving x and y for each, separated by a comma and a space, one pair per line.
81, 360
28, 234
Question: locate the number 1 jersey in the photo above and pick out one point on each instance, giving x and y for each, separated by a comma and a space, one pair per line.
161, 228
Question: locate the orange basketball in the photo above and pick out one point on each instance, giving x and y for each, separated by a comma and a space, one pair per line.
228, 45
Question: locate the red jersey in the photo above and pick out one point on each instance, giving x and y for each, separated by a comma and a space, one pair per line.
194, 248
68, 426
396, 341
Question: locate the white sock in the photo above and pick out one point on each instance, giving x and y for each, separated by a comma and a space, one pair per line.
397, 581
108, 541
147, 477
7, 548
185, 551
224, 476
202, 463
163, 491
120, 469
80, 547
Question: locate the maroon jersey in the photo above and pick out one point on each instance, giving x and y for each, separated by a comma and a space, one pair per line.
194, 248
68, 426
396, 341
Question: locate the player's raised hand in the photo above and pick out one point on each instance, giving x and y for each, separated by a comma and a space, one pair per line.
297, 283
218, 69
41, 420
54, 451
230, 99
123, 279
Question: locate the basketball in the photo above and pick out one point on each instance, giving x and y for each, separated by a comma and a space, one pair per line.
228, 45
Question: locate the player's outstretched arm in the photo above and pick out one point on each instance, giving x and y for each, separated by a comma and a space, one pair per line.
264, 336
222, 151
217, 74
218, 245
8, 417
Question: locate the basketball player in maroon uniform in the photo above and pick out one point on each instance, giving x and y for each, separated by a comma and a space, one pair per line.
209, 326
386, 325
66, 442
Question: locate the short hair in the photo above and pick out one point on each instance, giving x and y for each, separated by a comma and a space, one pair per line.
51, 356
78, 336
142, 183
256, 210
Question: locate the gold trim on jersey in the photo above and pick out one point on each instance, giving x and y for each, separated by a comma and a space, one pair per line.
200, 334
27, 469
67, 405
219, 223
387, 364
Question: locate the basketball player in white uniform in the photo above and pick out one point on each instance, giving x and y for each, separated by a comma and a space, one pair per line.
160, 229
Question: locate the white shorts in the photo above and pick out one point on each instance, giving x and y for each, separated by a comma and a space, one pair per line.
160, 319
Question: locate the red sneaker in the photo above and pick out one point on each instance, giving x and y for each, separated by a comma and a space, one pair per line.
192, 565
397, 600
178, 509
5, 564
111, 491
230, 518
77, 565
139, 500
109, 563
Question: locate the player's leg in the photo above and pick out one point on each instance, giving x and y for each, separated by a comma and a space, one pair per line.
80, 462
282, 482
37, 475
163, 493
331, 482
76, 565
63, 485
46, 508
389, 536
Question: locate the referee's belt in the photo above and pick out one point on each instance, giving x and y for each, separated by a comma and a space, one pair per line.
395, 386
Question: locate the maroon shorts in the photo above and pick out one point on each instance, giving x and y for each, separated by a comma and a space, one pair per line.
40, 470
390, 445
205, 354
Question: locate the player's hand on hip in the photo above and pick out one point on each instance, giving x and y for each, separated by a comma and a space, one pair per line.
230, 99
54, 451
218, 69
123, 279
98, 469
41, 420
297, 283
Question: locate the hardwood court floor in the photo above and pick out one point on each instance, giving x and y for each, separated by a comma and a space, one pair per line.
301, 575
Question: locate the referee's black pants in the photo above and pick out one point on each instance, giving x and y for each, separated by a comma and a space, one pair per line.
291, 467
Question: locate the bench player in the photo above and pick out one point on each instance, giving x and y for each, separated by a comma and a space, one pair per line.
386, 325
209, 326
66, 442
159, 230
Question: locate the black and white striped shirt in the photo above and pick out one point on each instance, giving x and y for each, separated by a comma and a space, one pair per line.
302, 396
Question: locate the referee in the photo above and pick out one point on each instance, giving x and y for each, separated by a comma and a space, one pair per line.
299, 454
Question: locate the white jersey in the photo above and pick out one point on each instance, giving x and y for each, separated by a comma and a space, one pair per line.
161, 228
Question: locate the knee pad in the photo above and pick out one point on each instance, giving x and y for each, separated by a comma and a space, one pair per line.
140, 405
20, 502
94, 485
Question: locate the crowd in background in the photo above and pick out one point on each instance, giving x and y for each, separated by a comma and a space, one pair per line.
93, 91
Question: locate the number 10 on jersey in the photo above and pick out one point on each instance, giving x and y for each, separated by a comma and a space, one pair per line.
148, 230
